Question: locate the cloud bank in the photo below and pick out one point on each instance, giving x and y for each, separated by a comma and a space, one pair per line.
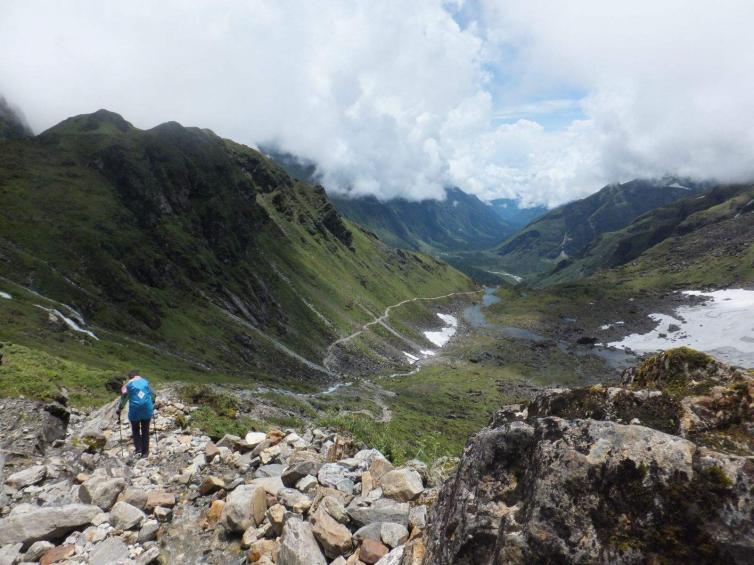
546, 101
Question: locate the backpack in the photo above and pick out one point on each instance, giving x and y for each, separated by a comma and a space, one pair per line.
140, 406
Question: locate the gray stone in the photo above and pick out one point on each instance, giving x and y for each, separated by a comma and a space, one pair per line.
27, 524
307, 484
333, 536
244, 507
363, 511
295, 500
272, 470
125, 516
330, 474
417, 517
27, 477
300, 464
101, 491
395, 557
298, 546
370, 531
150, 555
393, 535
135, 497
112, 550
10, 554
37, 550
335, 509
148, 530
271, 485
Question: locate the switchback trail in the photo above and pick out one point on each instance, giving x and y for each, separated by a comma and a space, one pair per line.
383, 318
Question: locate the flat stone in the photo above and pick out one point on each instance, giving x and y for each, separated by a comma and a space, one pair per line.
160, 498
27, 524
112, 550
363, 511
125, 516
27, 477
253, 439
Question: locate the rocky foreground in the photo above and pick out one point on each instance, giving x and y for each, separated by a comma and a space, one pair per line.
72, 494
657, 470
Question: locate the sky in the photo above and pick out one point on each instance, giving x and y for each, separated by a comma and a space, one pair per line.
540, 100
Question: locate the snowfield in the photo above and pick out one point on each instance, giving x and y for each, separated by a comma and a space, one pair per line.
5, 295
443, 336
723, 326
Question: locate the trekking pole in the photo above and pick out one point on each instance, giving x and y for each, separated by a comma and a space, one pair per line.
120, 429
154, 430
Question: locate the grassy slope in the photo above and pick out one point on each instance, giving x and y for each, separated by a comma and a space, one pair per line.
149, 233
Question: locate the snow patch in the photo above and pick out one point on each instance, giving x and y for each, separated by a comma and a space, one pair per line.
68, 322
411, 358
722, 326
5, 295
678, 185
443, 336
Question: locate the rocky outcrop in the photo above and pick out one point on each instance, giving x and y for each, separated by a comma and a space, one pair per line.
609, 475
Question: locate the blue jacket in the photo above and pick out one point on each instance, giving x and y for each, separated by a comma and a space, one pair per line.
140, 398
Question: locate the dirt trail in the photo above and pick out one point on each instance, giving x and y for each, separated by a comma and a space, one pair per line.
382, 319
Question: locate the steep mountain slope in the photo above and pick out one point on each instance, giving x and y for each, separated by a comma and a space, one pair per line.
511, 212
173, 243
705, 240
458, 223
566, 231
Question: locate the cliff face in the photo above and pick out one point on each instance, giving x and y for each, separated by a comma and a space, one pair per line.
658, 470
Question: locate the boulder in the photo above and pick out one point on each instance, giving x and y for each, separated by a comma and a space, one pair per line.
371, 551
335, 509
27, 477
589, 491
402, 484
245, 506
27, 524
112, 550
300, 464
101, 491
393, 535
124, 516
298, 546
333, 536
363, 511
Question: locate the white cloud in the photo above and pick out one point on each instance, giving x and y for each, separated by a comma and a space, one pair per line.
395, 98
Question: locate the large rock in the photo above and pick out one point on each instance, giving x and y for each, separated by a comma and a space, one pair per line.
585, 491
10, 554
101, 491
333, 536
298, 546
27, 524
402, 484
245, 506
125, 516
27, 477
364, 511
300, 464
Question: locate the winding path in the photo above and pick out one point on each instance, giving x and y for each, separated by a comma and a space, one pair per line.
382, 319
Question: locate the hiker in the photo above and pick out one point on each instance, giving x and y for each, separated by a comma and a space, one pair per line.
140, 398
